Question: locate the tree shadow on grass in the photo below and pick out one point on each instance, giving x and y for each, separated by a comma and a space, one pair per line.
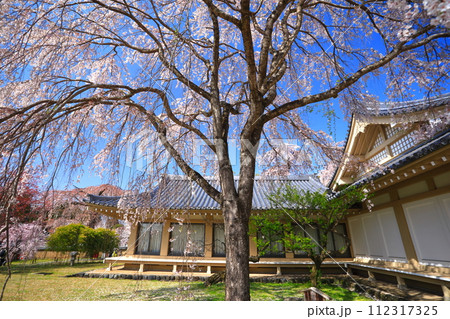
161, 294
276, 291
157, 294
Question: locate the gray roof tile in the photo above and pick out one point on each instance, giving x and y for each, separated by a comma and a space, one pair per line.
395, 108
178, 192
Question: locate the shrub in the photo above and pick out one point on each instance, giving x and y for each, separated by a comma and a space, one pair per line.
77, 237
93, 241
66, 238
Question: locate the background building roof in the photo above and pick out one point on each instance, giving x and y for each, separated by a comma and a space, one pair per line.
178, 192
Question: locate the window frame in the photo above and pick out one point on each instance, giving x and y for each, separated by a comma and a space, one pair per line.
272, 254
173, 225
147, 252
214, 254
334, 252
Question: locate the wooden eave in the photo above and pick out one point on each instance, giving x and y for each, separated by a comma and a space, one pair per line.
409, 172
106, 210
150, 213
363, 134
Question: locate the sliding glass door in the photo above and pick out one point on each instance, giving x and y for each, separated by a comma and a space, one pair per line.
149, 239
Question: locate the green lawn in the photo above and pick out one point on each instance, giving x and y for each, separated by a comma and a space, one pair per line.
48, 282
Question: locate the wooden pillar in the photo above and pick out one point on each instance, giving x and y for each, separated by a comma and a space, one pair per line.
132, 239
405, 234
349, 270
278, 271
446, 291
165, 238
401, 283
174, 269
430, 183
253, 248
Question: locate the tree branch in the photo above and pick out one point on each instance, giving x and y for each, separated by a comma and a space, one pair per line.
185, 167
334, 91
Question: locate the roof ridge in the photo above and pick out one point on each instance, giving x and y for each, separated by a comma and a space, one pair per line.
423, 100
401, 107
105, 196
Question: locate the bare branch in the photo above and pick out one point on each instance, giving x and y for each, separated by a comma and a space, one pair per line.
334, 91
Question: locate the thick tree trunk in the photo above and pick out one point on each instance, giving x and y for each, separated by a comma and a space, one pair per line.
237, 242
236, 208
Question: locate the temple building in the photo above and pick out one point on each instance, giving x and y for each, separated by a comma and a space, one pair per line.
178, 225
399, 151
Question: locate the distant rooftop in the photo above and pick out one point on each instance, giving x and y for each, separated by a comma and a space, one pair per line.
178, 192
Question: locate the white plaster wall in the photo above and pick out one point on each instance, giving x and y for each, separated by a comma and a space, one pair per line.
357, 236
391, 234
376, 235
373, 234
429, 224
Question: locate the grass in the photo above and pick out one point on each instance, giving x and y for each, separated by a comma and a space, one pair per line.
48, 282
276, 291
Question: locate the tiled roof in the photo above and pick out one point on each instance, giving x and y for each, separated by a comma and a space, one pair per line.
395, 108
421, 150
110, 201
178, 192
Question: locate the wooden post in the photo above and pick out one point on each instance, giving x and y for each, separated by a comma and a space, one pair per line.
314, 294
401, 283
165, 238
209, 238
446, 291
349, 271
405, 233
253, 248
278, 271
132, 239
174, 269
